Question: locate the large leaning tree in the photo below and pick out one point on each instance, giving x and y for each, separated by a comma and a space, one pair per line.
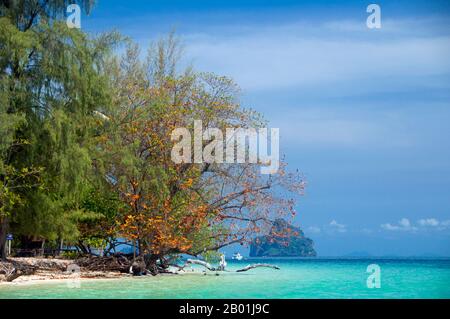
175, 208
52, 79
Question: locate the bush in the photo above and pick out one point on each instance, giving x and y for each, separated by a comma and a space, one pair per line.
69, 254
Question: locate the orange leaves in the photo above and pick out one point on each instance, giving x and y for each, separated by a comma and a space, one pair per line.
172, 203
163, 210
131, 199
129, 227
160, 226
188, 183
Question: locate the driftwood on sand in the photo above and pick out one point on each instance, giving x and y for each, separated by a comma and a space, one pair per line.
12, 270
256, 266
119, 263
97, 266
201, 263
211, 268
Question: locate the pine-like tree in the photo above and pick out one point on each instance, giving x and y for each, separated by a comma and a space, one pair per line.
52, 81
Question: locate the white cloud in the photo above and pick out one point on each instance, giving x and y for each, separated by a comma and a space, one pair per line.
446, 222
404, 222
332, 59
443, 225
312, 57
422, 224
434, 224
389, 226
429, 222
341, 228
403, 225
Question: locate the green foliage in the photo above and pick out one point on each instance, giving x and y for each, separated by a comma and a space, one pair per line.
26, 13
52, 81
212, 256
284, 240
97, 219
70, 254
86, 141
105, 203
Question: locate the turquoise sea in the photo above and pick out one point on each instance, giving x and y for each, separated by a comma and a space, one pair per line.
297, 278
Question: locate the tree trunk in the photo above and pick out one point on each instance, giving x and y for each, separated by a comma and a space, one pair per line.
82, 247
43, 248
139, 247
138, 268
61, 246
201, 263
3, 232
150, 263
253, 266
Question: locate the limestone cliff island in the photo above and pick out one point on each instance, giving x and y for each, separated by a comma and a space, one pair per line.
295, 244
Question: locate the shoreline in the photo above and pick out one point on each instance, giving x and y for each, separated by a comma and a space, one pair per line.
55, 270
61, 278
50, 270
84, 276
295, 280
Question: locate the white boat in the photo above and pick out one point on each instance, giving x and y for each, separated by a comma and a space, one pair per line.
237, 256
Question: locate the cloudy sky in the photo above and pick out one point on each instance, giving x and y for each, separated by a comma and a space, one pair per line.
363, 113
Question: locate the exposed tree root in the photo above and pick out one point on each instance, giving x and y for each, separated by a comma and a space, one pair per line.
119, 263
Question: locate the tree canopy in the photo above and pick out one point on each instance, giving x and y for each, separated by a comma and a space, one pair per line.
52, 79
86, 143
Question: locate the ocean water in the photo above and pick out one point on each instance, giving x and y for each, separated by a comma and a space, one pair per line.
297, 278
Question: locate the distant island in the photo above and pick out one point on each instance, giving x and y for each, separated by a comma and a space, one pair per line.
295, 244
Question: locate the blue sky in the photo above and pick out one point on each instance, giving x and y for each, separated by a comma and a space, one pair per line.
363, 113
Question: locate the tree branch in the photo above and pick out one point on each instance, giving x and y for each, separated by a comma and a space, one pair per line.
257, 266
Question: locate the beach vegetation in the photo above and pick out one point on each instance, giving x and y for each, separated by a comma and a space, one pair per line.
86, 144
